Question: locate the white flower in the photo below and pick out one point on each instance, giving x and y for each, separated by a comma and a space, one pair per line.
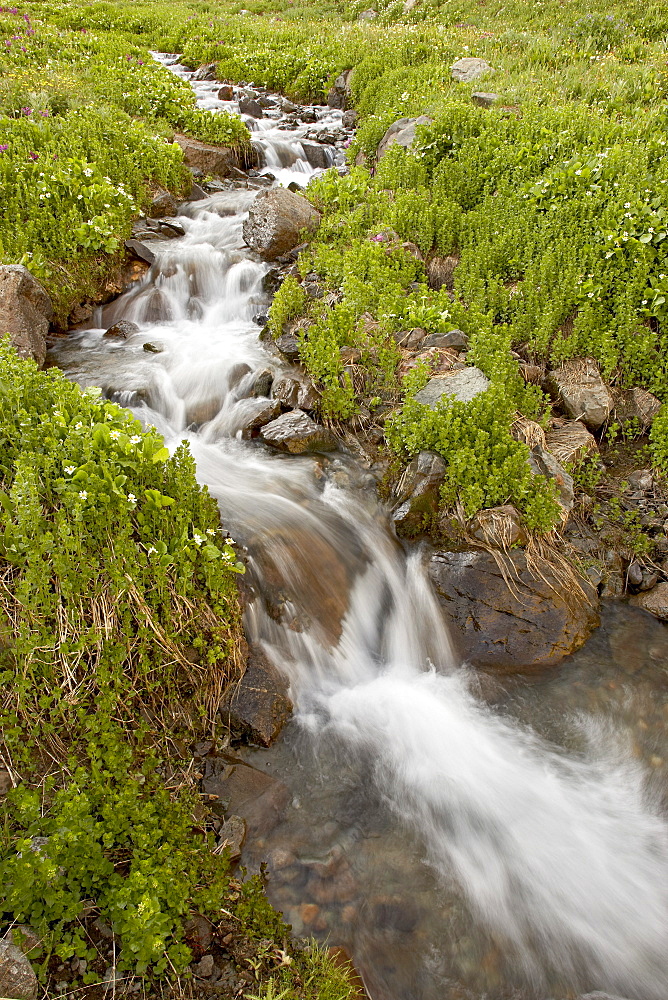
78, 426
197, 538
135, 439
577, 173
114, 435
83, 495
150, 550
211, 531
627, 204
132, 499
69, 469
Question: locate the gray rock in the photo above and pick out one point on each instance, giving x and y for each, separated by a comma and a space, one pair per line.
401, 133
642, 480
470, 68
296, 391
25, 311
582, 392
456, 339
288, 345
163, 203
260, 412
17, 979
530, 624
417, 493
153, 348
205, 72
171, 229
263, 382
655, 601
259, 706
367, 15
350, 118
339, 95
543, 463
204, 968
484, 100
141, 252
219, 161
121, 330
231, 836
247, 106
635, 404
318, 155
25, 938
296, 433
570, 443
462, 385
276, 222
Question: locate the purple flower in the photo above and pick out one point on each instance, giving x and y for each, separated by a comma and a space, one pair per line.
140, 62
26, 17
26, 111
376, 239
4, 147
44, 114
33, 156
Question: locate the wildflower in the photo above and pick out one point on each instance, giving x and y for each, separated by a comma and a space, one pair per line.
69, 469
78, 426
197, 538
26, 111
83, 495
114, 435
627, 204
150, 550
4, 147
33, 156
132, 499
135, 439
211, 531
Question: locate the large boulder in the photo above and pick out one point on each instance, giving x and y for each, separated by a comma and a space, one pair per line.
218, 161
25, 311
163, 203
296, 433
417, 493
17, 979
578, 386
276, 221
259, 706
521, 618
401, 133
463, 385
470, 68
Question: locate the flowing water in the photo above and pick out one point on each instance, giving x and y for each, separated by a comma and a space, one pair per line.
459, 846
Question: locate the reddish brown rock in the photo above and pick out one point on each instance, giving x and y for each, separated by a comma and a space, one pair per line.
219, 161
25, 312
259, 706
257, 797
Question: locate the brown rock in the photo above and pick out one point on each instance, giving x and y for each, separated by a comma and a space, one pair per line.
163, 203
531, 373
417, 493
259, 706
121, 330
582, 392
543, 463
276, 222
500, 527
17, 979
25, 312
258, 797
296, 391
263, 411
226, 92
570, 443
296, 433
655, 601
231, 836
531, 624
5, 782
635, 404
219, 161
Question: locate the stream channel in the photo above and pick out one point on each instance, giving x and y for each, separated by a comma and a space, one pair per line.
462, 837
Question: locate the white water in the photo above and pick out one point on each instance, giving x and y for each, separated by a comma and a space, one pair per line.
564, 859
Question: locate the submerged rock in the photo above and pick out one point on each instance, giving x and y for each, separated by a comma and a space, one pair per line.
25, 311
296, 433
470, 68
276, 221
245, 791
582, 392
401, 133
532, 623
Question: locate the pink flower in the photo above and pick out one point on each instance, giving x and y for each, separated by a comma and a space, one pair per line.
33, 156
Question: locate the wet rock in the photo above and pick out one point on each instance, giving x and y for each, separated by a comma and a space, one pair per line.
635, 404
259, 706
531, 624
441, 272
350, 118
205, 72
597, 995
463, 385
395, 914
247, 106
634, 574
219, 161
257, 797
581, 391
163, 203
401, 133
570, 443
655, 601
276, 221
318, 155
153, 348
140, 251
500, 527
226, 92
122, 330
470, 68
296, 392
196, 193
543, 463
288, 345
417, 493
231, 836
296, 433
456, 339
339, 95
484, 100
17, 979
204, 968
262, 383
264, 410
25, 311
171, 229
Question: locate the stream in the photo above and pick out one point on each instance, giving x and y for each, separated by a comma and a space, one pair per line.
464, 837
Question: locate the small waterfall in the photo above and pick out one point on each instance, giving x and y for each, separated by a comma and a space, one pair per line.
563, 858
